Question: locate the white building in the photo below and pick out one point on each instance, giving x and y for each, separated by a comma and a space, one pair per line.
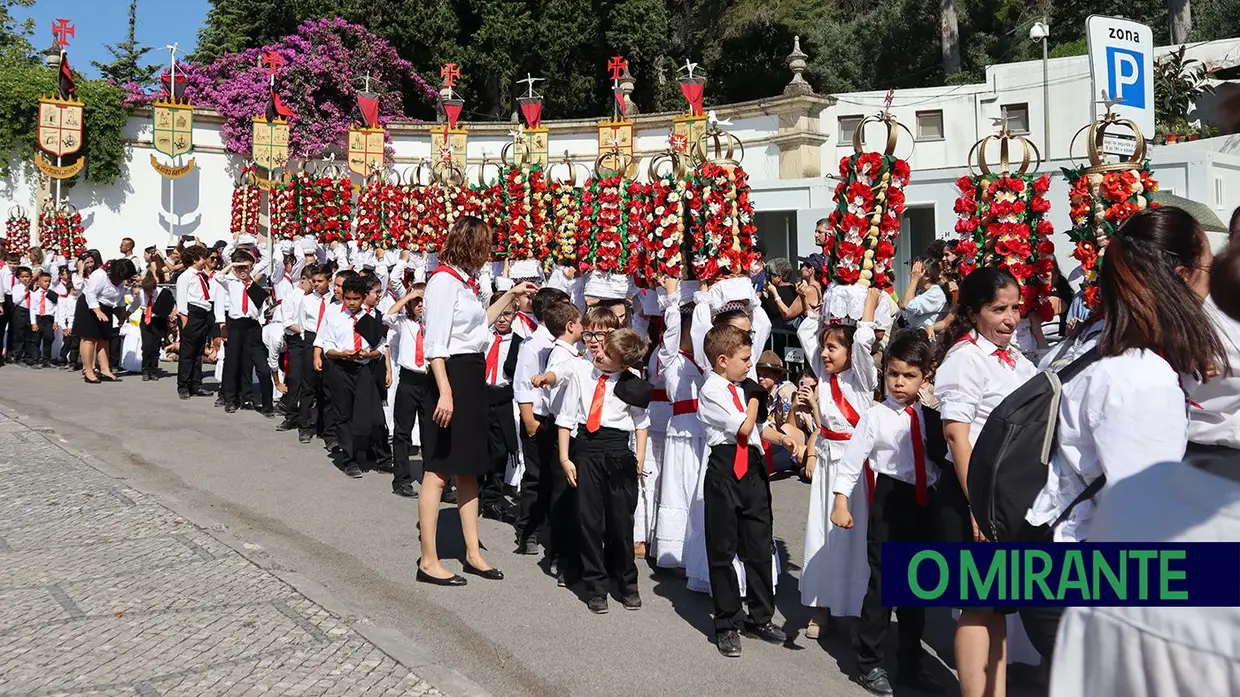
793, 144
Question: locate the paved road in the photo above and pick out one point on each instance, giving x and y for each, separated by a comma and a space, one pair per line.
303, 519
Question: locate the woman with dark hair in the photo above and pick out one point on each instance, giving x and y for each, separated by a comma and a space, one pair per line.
455, 325
978, 368
1128, 410
103, 292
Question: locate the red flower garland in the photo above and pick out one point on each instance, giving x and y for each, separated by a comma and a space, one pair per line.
601, 237
566, 220
724, 232
523, 221
245, 206
1100, 203
1003, 224
638, 220
665, 253
369, 213
17, 233
866, 222
283, 211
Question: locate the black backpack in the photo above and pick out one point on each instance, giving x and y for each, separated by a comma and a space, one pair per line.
1007, 469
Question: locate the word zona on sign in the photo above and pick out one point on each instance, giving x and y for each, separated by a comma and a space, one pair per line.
1104, 574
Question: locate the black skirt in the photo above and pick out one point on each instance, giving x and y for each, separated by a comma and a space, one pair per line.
461, 448
955, 524
87, 326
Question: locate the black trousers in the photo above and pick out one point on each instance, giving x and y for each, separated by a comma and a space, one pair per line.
1042, 623
244, 356
546, 512
152, 338
606, 499
19, 333
501, 439
895, 516
69, 349
738, 524
39, 342
194, 337
353, 386
411, 400
292, 374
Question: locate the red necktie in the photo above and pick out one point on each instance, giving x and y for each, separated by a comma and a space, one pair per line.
149, 303
595, 419
322, 311
245, 299
919, 457
206, 292
493, 360
740, 465
419, 348
357, 338
43, 304
1005, 357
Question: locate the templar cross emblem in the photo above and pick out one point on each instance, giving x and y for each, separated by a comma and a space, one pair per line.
449, 73
617, 65
62, 29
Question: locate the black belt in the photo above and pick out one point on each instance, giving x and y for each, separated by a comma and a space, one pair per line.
407, 374
604, 439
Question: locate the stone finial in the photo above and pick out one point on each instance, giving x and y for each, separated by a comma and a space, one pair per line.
797, 64
627, 84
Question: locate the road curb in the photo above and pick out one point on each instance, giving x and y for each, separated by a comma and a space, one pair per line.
398, 646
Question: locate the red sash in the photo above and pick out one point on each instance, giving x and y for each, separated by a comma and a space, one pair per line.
469, 282
850, 415
684, 406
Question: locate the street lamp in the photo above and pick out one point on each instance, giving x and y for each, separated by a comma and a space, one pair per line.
51, 57
1041, 31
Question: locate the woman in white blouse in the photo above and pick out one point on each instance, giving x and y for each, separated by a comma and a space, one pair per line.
1158, 651
1128, 411
455, 325
979, 368
102, 293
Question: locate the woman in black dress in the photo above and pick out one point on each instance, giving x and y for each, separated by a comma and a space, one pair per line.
102, 293
456, 335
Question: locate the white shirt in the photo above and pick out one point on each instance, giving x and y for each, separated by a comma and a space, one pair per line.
884, 436
579, 396
192, 289
1117, 417
8, 279
65, 309
973, 380
1156, 651
20, 295
505, 346
926, 308
678, 375
856, 384
40, 306
100, 291
532, 357
239, 305
405, 340
288, 314
562, 360
524, 324
720, 418
313, 312
338, 334
455, 319
1214, 407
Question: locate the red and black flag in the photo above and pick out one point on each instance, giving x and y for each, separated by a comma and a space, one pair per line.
277, 109
65, 79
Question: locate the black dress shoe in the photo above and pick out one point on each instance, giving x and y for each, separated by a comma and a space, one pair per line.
96, 381
405, 490
287, 425
876, 682
353, 471
268, 412
304, 436
488, 574
766, 632
449, 495
632, 601
219, 401
920, 681
597, 604
528, 547
230, 408
183, 395
729, 643
146, 377
109, 378
203, 393
453, 580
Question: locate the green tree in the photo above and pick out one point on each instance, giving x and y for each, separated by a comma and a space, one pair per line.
126, 65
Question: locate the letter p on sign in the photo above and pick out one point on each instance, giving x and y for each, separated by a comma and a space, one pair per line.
1126, 83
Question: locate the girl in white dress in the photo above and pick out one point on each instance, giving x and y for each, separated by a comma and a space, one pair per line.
835, 571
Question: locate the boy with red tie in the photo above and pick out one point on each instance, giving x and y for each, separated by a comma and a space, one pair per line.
501, 364
605, 404
737, 492
903, 443
42, 308
194, 310
412, 386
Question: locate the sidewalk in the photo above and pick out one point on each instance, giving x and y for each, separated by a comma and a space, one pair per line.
106, 592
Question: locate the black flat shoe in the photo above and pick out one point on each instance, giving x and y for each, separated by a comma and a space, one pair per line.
405, 490
96, 381
489, 574
453, 580
109, 378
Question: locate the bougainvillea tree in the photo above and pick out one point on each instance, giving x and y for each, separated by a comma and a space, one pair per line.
316, 82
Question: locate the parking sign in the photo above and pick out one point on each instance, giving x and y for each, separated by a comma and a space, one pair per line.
1121, 63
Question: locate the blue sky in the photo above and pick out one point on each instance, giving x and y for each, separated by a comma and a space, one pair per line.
100, 22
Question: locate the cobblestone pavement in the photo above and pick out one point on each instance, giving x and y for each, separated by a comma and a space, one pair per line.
106, 592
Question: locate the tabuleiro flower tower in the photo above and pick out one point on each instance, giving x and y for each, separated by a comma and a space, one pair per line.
1103, 195
724, 235
1003, 217
525, 211
869, 199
